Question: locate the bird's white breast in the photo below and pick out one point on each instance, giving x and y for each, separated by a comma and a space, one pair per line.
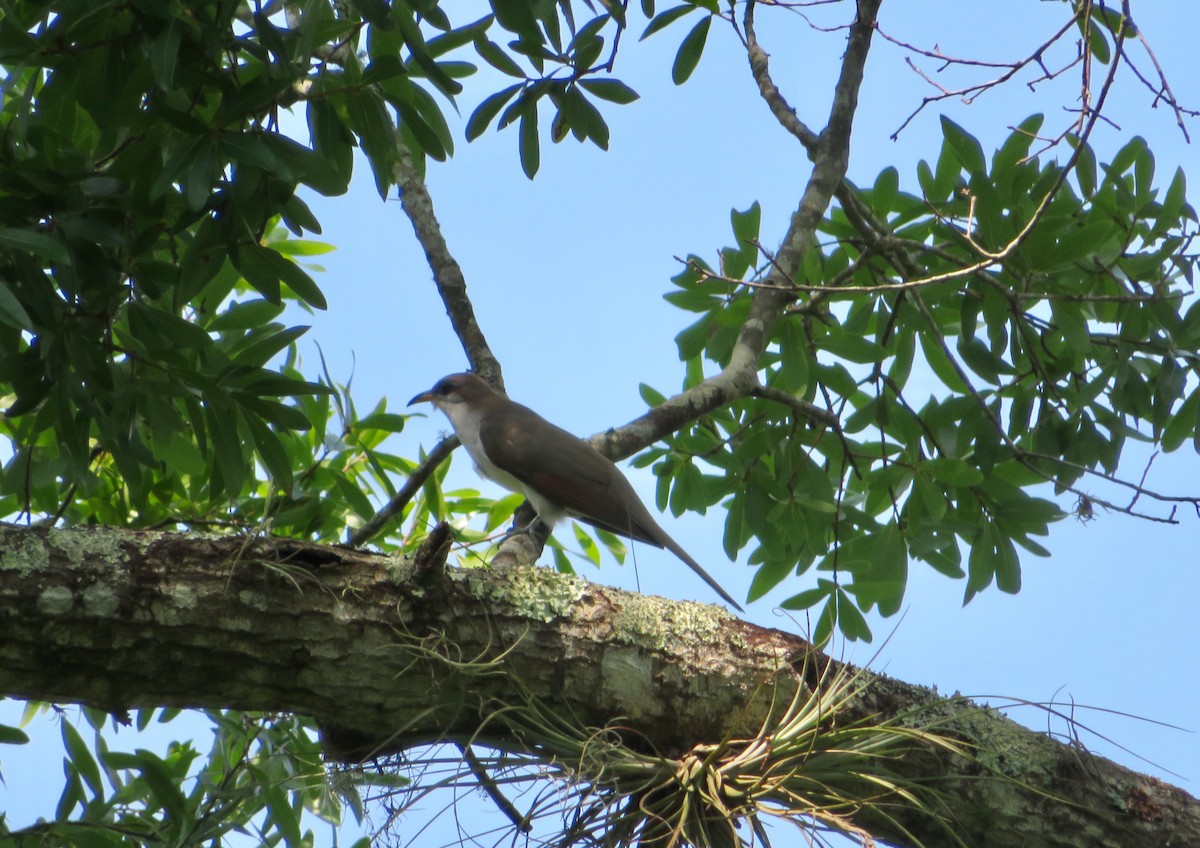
466, 425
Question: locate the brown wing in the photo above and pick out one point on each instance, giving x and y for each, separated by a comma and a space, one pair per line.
566, 470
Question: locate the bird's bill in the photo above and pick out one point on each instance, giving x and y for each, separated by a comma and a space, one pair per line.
423, 397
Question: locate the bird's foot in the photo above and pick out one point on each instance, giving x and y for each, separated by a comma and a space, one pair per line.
520, 545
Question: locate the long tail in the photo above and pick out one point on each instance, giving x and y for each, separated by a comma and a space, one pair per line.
641, 527
674, 548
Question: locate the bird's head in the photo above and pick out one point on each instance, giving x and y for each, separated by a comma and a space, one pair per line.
455, 390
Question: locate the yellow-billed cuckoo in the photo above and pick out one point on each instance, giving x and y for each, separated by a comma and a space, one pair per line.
558, 473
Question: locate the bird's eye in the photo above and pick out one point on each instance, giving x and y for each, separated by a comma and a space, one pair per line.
443, 388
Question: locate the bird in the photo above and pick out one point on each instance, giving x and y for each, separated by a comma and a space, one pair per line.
558, 473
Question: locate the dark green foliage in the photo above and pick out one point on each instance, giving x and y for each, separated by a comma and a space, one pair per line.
144, 174
1035, 368
260, 775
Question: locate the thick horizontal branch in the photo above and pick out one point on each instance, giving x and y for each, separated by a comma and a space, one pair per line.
385, 653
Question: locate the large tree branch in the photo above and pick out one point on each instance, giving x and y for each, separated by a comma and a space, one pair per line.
386, 654
830, 152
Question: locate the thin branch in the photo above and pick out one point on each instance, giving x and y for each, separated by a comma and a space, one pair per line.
969, 93
759, 68
1137, 488
447, 275
489, 786
410, 488
1163, 90
802, 407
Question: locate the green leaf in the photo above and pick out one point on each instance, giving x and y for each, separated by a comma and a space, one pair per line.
587, 51
850, 619
82, 759
810, 597
39, 244
229, 471
1068, 319
1184, 423
271, 451
491, 53
452, 40
245, 315
650, 395
588, 118
164, 53
12, 312
251, 148
746, 227
283, 815
333, 145
953, 472
387, 421
940, 362
690, 50
163, 786
1085, 170
12, 736
590, 549
966, 149
358, 501
1097, 43
1008, 567
992, 554
562, 563
826, 621
263, 346
383, 68
370, 121
517, 16
980, 358
887, 187
1016, 146
665, 19
415, 42
488, 109
374, 12
264, 268
769, 575
72, 796
612, 90
855, 348
529, 146
200, 175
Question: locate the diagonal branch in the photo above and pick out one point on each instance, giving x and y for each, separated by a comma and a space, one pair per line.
407, 492
447, 275
830, 151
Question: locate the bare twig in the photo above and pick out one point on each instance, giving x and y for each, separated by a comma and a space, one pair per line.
410, 488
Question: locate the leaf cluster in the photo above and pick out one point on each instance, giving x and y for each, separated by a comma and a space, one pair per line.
969, 356
150, 161
260, 777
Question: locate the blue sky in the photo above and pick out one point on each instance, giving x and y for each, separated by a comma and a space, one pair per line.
567, 274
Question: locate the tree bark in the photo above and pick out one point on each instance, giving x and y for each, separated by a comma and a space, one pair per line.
386, 653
